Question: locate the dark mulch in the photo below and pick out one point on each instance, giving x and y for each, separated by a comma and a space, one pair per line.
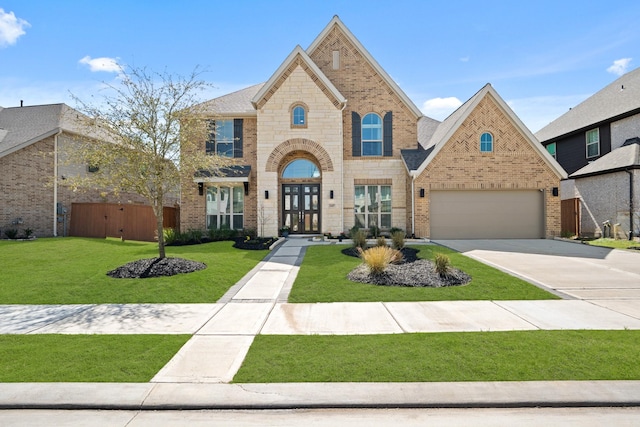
411, 272
156, 267
408, 254
257, 243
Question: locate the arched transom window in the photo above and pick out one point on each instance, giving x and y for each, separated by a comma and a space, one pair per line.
301, 168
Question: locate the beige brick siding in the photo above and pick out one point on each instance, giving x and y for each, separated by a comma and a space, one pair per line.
513, 165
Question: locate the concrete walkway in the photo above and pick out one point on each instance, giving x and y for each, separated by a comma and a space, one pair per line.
197, 376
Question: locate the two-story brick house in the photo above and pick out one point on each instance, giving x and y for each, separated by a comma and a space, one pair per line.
331, 141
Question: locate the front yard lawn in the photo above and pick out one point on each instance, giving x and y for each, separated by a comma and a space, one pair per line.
323, 278
85, 358
73, 270
460, 356
613, 243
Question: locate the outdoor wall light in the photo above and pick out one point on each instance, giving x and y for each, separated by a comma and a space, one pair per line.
422, 192
200, 188
554, 191
331, 194
246, 188
266, 194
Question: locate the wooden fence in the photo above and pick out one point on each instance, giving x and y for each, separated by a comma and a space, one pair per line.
129, 222
570, 214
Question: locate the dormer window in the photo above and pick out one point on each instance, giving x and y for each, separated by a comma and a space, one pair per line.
299, 116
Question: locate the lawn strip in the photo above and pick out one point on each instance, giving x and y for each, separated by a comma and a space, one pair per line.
85, 358
73, 271
462, 356
323, 278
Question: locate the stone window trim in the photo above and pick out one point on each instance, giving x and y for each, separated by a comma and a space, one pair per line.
293, 110
592, 143
486, 142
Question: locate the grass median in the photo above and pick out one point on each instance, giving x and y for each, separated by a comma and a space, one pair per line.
85, 358
323, 278
73, 271
460, 356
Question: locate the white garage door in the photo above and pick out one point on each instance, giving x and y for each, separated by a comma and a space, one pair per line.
487, 214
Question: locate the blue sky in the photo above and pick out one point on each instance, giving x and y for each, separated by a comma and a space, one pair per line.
543, 57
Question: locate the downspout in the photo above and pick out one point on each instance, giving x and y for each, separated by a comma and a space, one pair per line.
344, 105
413, 205
55, 183
630, 172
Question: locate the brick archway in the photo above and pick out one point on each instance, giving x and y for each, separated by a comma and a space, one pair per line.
299, 144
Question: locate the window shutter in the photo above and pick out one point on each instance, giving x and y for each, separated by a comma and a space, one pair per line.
387, 134
356, 135
237, 138
210, 146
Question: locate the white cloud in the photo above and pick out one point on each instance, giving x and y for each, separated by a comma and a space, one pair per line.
109, 65
440, 108
11, 28
619, 66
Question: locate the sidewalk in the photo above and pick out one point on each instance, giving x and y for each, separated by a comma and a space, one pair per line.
223, 332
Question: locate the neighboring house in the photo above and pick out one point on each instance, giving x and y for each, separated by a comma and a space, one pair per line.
331, 141
33, 140
595, 142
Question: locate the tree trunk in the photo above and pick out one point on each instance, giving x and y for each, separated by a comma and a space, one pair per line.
159, 211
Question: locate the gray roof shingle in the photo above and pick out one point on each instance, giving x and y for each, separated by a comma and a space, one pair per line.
627, 156
619, 97
236, 103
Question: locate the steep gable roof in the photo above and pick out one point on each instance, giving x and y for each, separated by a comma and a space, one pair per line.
625, 157
448, 127
298, 57
233, 104
23, 126
618, 98
335, 21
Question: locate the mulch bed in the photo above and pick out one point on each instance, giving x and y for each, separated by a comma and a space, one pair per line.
410, 272
156, 267
257, 243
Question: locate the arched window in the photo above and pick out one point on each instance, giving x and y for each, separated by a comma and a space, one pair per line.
486, 143
299, 116
301, 168
372, 135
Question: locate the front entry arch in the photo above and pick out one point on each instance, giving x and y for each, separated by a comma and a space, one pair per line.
301, 195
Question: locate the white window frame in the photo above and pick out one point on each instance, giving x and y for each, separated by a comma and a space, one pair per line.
591, 143
373, 213
377, 141
223, 209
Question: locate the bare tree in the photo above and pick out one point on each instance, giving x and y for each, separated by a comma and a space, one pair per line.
155, 136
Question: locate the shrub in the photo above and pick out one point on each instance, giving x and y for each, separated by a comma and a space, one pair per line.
378, 258
27, 233
194, 235
217, 234
359, 239
397, 239
171, 235
251, 232
374, 231
395, 229
381, 241
442, 263
353, 230
11, 233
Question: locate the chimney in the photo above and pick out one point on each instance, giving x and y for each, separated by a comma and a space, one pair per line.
21, 102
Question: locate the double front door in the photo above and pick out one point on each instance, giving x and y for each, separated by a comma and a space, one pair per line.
301, 208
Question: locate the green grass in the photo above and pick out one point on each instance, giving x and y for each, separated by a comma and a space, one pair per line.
85, 358
473, 356
613, 243
73, 271
323, 278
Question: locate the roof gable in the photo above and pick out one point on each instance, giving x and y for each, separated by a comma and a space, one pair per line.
336, 22
618, 98
298, 57
450, 125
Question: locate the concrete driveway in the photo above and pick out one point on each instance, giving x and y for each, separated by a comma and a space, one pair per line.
569, 269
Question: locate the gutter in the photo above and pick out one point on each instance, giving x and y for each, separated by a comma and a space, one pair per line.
55, 183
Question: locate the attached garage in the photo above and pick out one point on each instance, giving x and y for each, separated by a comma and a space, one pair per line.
481, 214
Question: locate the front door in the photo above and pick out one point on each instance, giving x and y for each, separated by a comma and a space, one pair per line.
301, 208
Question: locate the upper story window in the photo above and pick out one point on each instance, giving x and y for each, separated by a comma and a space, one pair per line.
372, 135
225, 138
299, 116
551, 148
486, 143
593, 143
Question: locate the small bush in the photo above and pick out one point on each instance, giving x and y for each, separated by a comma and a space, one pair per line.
353, 230
217, 234
359, 239
11, 233
251, 232
171, 236
194, 235
374, 231
442, 263
395, 229
397, 239
378, 258
381, 241
27, 233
